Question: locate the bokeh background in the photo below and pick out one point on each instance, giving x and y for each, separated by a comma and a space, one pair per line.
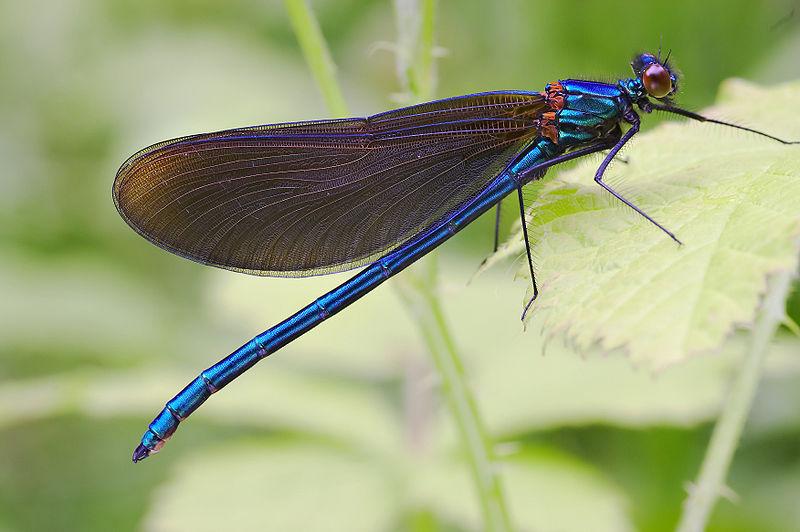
344, 429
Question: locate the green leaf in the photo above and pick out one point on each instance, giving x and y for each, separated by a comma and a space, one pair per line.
527, 392
293, 486
546, 491
610, 280
71, 300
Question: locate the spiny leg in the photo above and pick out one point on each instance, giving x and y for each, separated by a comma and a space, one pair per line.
598, 177
497, 227
496, 235
535, 173
527, 250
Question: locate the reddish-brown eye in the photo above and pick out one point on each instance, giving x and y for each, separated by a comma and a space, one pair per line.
657, 81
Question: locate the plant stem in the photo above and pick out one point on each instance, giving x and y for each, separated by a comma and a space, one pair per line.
711, 482
317, 54
418, 292
415, 46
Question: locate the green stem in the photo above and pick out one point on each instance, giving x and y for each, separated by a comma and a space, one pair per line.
416, 23
711, 482
317, 54
424, 73
418, 292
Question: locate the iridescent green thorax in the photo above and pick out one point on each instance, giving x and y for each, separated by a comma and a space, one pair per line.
588, 110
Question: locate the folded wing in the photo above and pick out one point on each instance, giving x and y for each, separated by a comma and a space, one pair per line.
318, 197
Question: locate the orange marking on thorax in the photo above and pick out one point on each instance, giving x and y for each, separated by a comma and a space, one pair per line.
555, 96
548, 125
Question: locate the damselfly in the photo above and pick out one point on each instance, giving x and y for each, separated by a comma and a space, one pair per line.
309, 198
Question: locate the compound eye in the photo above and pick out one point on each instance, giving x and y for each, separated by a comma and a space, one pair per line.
657, 81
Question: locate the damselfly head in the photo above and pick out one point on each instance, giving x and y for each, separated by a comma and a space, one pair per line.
658, 78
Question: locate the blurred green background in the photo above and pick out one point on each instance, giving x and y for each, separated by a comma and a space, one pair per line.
344, 429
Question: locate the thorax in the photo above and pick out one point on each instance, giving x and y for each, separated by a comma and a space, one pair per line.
579, 113
582, 112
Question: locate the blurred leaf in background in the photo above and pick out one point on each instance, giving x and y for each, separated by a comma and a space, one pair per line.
97, 327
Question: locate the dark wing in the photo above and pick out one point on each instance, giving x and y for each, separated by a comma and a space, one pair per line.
317, 197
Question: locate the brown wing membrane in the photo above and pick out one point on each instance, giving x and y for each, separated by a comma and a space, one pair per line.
318, 197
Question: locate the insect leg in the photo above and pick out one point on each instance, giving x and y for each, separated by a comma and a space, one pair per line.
527, 250
598, 177
497, 227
